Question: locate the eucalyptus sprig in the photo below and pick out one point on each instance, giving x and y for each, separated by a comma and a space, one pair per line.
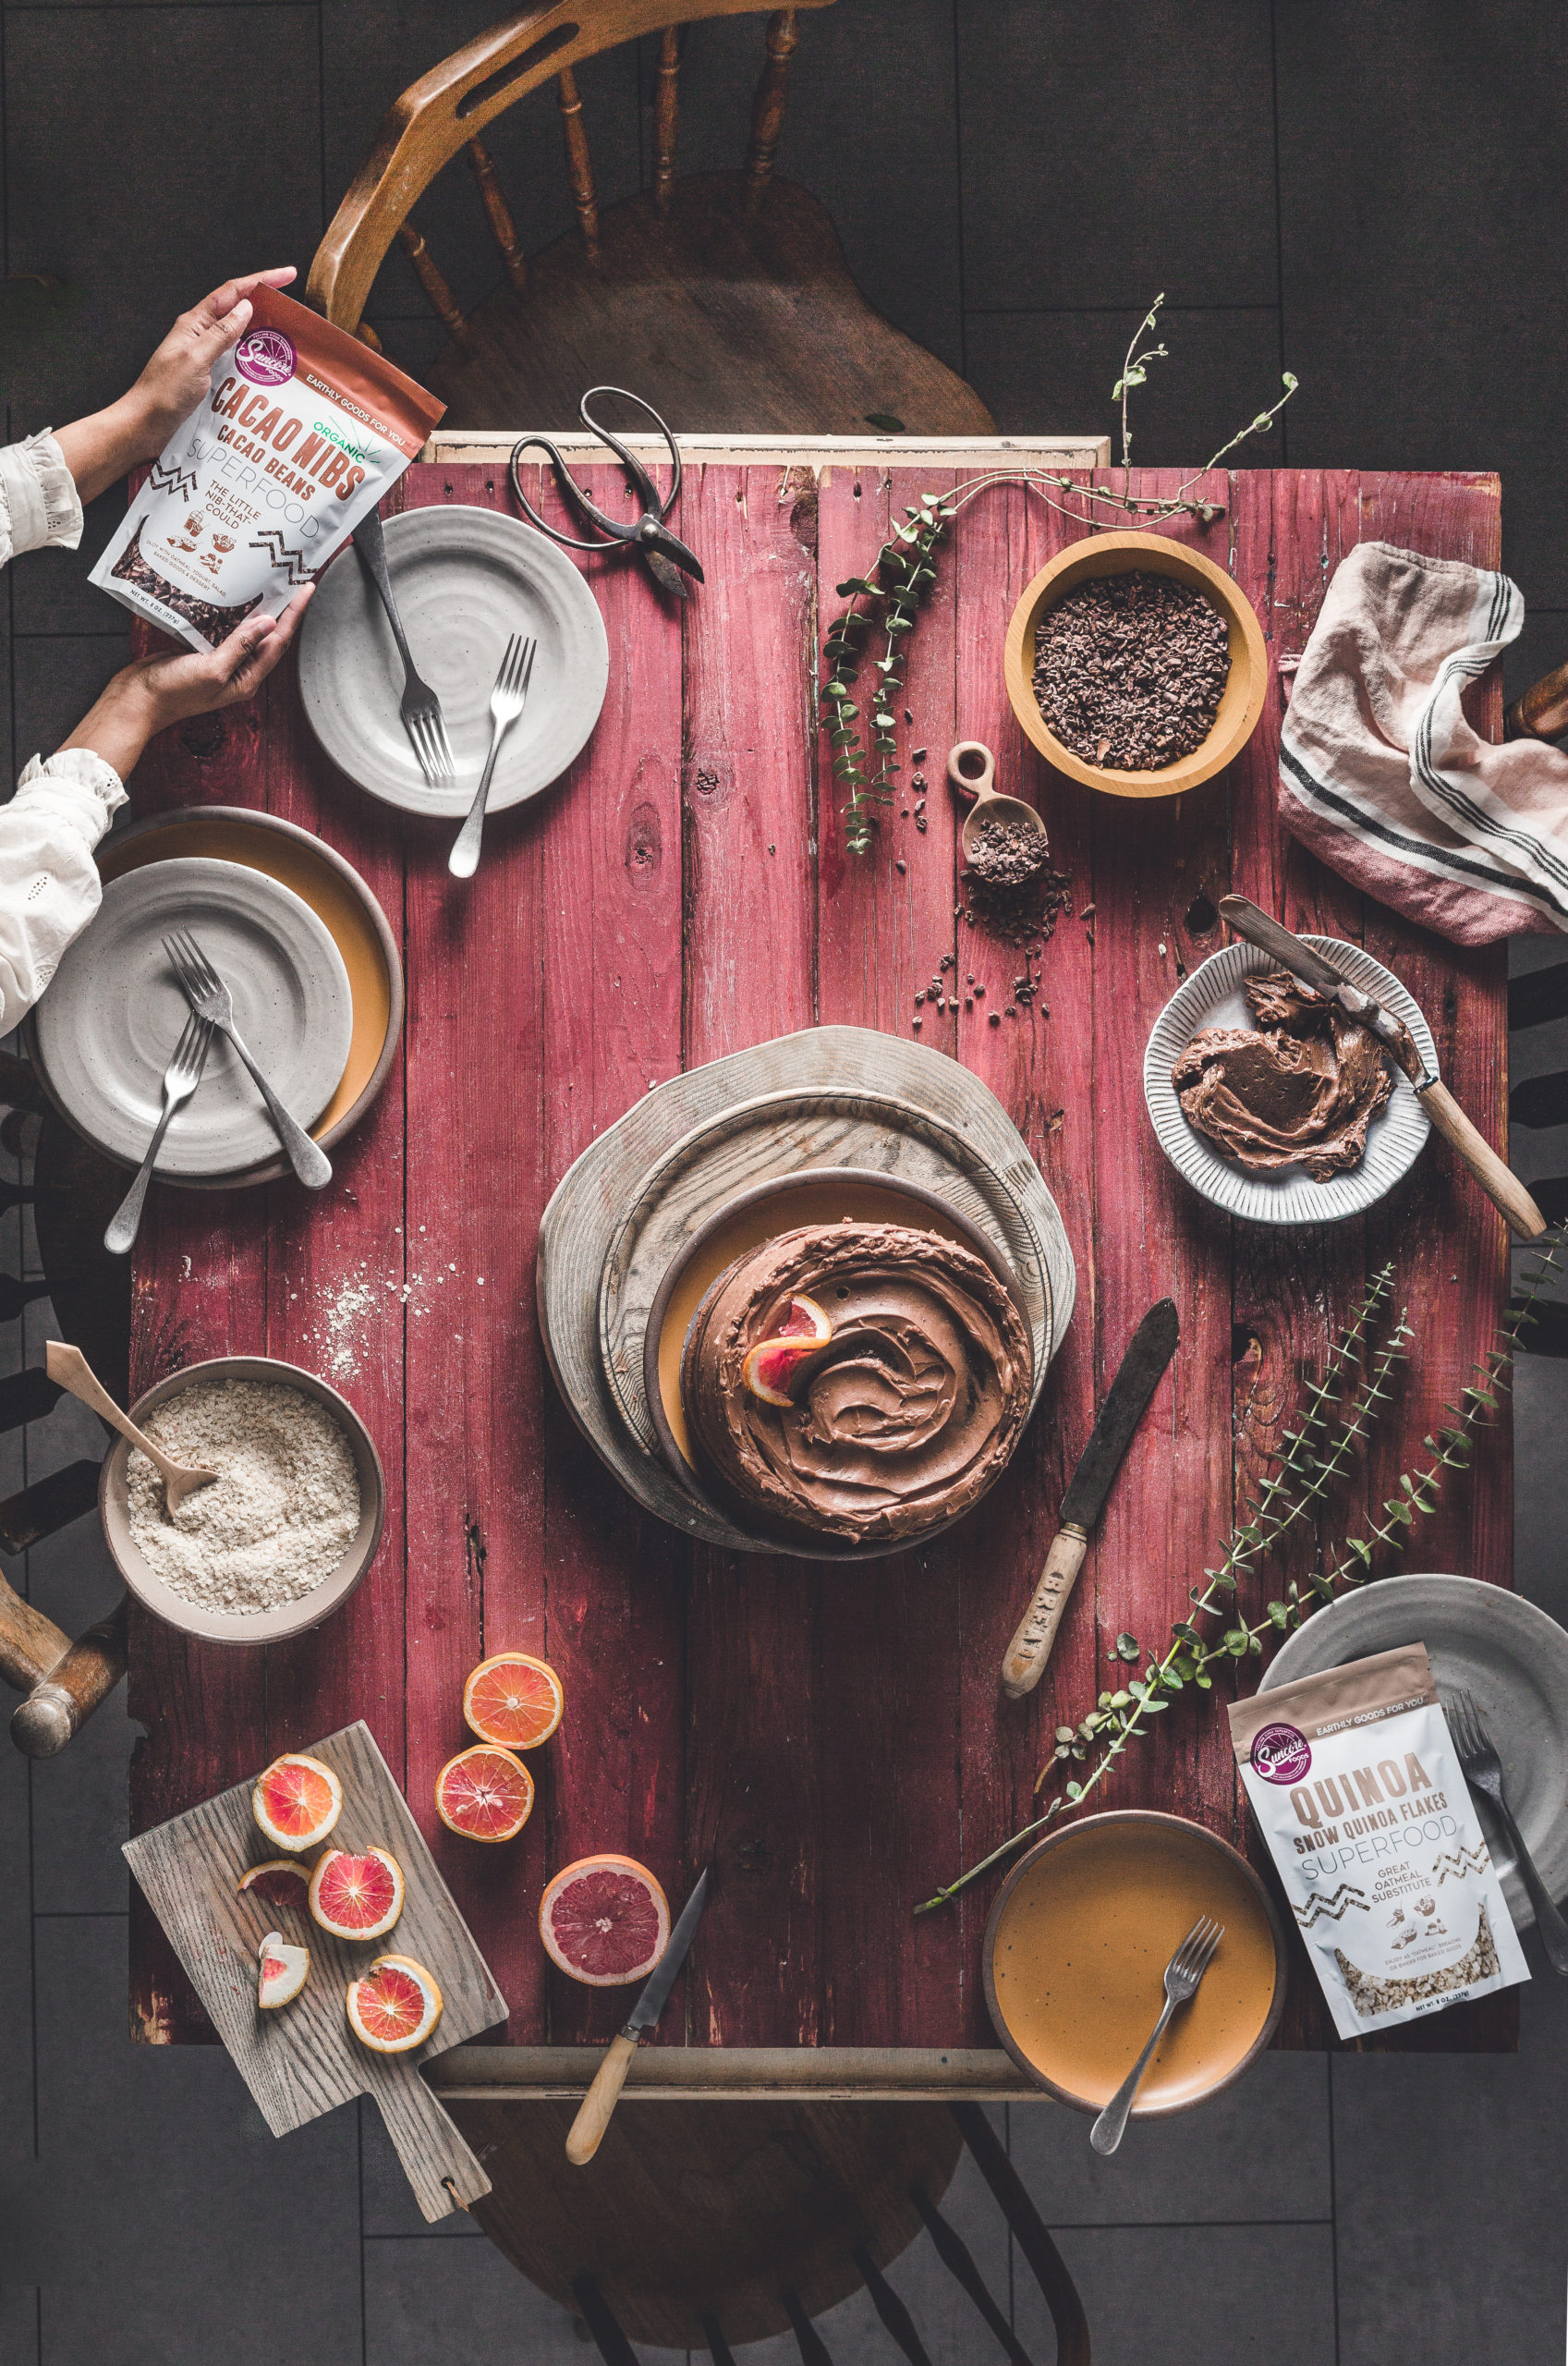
1314, 1454
900, 578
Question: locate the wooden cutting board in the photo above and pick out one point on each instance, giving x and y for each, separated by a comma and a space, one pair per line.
304, 2059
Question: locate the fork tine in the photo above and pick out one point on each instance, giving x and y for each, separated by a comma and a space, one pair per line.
198, 961
1206, 1955
443, 746
414, 724
527, 666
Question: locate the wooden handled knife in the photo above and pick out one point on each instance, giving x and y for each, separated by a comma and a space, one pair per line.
593, 2113
1309, 967
1152, 1346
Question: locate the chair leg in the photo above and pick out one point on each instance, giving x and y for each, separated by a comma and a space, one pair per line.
957, 2257
890, 2308
1046, 2262
600, 2319
814, 2350
62, 1703
718, 2349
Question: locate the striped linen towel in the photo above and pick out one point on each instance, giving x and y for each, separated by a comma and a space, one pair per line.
1382, 775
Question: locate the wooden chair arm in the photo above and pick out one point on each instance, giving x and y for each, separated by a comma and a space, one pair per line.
62, 1702
1541, 712
450, 105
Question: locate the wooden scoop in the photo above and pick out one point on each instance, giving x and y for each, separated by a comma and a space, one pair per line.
971, 768
70, 1368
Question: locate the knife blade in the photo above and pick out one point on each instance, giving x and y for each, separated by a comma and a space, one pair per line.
1149, 1350
1311, 968
594, 2111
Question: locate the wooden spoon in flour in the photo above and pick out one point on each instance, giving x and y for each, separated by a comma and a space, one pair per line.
70, 1368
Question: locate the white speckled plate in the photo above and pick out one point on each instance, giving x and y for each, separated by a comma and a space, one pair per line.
465, 580
1508, 1655
1212, 996
108, 1025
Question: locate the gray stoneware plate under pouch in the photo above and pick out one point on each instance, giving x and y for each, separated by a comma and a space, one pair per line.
465, 580
108, 1026
1505, 1652
1213, 997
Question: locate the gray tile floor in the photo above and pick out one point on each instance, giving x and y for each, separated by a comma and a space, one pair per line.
1371, 198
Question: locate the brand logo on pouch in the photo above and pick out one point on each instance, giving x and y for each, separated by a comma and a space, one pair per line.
1280, 1754
265, 357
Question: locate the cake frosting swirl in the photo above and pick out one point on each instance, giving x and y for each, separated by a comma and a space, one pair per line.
901, 1421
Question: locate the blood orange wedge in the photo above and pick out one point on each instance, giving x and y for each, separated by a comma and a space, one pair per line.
604, 1920
296, 1801
776, 1361
280, 1972
282, 1881
396, 2005
356, 1898
513, 1699
485, 1793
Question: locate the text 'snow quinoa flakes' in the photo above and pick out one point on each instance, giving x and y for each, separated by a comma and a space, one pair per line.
1359, 1792
302, 432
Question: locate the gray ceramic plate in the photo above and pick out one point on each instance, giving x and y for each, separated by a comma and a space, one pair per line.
1510, 1655
464, 580
1212, 996
107, 1028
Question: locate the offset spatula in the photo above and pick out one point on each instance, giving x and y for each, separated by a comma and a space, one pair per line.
1308, 967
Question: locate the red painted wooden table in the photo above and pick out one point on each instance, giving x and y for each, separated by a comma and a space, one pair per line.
685, 892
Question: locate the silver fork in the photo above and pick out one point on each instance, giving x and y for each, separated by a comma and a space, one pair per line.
210, 998
507, 701
180, 1080
1483, 1772
418, 706
1182, 1973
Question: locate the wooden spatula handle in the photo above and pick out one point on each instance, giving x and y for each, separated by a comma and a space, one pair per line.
1499, 1182
437, 2160
1024, 1663
593, 2113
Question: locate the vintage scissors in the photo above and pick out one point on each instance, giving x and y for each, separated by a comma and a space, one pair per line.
666, 556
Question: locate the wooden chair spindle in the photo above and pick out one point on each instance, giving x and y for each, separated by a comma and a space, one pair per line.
431, 279
814, 2350
1541, 713
768, 107
499, 216
890, 2308
579, 164
366, 336
666, 118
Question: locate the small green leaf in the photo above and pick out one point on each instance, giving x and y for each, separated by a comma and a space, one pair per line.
1127, 1647
884, 422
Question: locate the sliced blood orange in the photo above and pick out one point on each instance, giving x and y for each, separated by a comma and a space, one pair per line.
282, 1881
296, 1801
396, 2005
356, 1898
485, 1793
280, 1972
805, 1320
604, 1920
514, 1699
774, 1362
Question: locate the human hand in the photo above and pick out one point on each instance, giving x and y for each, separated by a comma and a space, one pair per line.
149, 695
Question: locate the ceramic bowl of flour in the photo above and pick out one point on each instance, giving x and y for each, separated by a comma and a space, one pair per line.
343, 1492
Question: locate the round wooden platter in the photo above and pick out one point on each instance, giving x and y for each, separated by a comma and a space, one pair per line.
828, 1096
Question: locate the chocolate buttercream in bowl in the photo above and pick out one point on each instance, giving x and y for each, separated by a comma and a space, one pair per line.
1300, 1088
901, 1422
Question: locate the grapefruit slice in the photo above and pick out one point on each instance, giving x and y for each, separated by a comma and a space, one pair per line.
604, 1920
282, 1881
513, 1699
280, 1972
776, 1361
356, 1898
396, 2005
296, 1801
485, 1793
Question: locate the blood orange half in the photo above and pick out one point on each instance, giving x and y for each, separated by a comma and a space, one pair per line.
485, 1793
514, 1699
396, 2005
356, 1898
604, 1920
296, 1801
282, 1881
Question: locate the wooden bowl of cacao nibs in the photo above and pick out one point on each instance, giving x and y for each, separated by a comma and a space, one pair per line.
1135, 665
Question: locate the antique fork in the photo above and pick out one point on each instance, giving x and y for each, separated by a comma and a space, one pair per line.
180, 1080
418, 706
507, 701
1483, 1772
210, 998
1182, 1973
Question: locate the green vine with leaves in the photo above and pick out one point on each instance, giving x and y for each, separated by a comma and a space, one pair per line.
1339, 1413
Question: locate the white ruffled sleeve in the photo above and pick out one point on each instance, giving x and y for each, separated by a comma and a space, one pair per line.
49, 887
38, 497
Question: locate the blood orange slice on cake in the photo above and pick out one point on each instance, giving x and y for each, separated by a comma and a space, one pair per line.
604, 1920
514, 1699
282, 1881
296, 1801
356, 1898
485, 1793
396, 2005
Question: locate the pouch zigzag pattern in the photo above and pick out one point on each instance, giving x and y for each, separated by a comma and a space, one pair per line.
290, 562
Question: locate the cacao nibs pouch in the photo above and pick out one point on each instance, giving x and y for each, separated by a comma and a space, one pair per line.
303, 430
1357, 1790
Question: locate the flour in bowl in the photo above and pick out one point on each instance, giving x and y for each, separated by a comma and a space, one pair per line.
277, 1521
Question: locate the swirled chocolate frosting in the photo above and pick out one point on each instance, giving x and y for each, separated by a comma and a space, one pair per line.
902, 1421
1299, 1089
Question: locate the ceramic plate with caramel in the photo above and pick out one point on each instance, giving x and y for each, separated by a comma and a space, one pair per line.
1076, 1953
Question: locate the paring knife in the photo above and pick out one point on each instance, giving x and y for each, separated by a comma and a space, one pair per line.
1153, 1345
593, 2113
1310, 967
